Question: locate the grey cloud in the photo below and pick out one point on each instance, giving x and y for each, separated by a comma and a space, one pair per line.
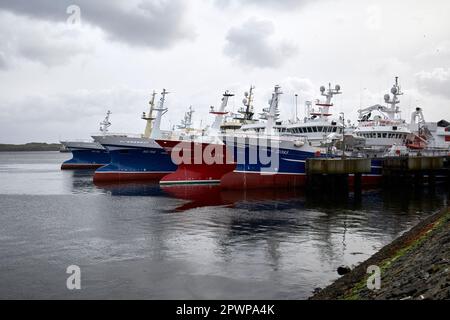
435, 55
3, 64
276, 4
155, 24
436, 81
42, 42
250, 44
76, 114
301, 86
71, 115
73, 106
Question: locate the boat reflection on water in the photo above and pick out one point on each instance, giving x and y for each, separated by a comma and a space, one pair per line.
80, 181
213, 195
260, 199
198, 196
132, 188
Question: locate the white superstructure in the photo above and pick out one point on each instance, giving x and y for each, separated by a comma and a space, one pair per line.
382, 126
317, 126
440, 132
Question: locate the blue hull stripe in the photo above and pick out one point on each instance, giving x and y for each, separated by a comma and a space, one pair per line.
287, 161
139, 160
89, 156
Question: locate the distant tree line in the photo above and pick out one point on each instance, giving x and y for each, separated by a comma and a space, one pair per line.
33, 146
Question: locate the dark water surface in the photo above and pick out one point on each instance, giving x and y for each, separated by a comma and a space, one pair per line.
138, 241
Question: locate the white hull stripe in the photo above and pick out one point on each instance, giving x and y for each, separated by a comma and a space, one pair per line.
293, 160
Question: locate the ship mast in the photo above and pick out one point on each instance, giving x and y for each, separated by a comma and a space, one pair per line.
186, 123
324, 107
105, 124
220, 113
393, 109
160, 111
273, 109
308, 106
149, 117
247, 113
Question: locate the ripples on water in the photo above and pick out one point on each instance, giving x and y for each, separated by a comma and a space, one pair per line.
138, 241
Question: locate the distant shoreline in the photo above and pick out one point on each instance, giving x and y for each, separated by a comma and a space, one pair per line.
33, 146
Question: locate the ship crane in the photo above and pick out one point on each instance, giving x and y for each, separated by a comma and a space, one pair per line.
417, 118
364, 114
390, 111
420, 132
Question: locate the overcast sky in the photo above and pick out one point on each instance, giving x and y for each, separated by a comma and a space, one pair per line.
59, 75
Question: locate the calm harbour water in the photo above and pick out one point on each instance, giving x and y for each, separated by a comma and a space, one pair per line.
138, 241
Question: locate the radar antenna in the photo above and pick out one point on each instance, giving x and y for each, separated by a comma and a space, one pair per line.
324, 107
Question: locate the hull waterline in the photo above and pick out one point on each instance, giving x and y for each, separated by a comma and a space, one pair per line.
86, 159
